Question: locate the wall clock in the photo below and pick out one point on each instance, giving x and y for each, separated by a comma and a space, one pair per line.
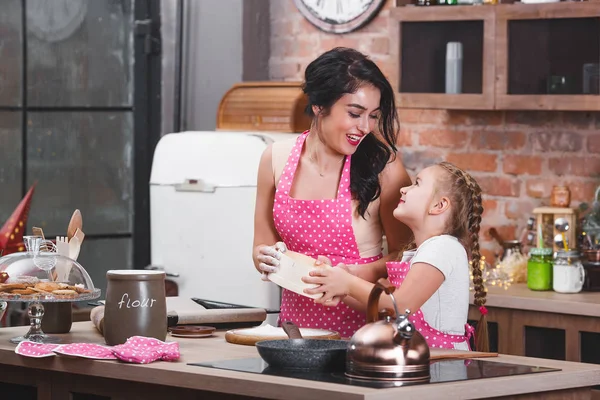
339, 16
55, 20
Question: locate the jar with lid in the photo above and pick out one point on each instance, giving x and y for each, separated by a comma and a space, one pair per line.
510, 248
513, 262
568, 272
539, 269
592, 276
560, 197
135, 305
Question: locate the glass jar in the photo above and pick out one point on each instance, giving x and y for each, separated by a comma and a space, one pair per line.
592, 276
539, 269
568, 272
560, 197
513, 262
591, 265
511, 247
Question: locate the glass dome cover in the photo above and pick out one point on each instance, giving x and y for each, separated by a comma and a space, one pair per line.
43, 276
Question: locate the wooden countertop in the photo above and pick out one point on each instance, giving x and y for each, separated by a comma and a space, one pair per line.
572, 375
519, 297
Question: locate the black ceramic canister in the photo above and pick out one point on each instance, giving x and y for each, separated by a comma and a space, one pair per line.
135, 305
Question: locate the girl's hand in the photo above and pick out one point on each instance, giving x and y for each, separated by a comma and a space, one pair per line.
323, 260
268, 258
351, 269
334, 284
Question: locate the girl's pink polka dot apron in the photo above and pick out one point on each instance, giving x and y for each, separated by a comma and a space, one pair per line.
397, 271
317, 227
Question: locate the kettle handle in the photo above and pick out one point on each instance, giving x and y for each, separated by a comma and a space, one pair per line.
382, 285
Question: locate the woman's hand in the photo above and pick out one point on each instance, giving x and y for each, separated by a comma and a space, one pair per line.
268, 258
334, 284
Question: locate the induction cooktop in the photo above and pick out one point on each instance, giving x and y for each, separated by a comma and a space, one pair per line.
441, 371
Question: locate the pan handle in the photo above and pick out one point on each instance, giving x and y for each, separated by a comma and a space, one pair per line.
291, 330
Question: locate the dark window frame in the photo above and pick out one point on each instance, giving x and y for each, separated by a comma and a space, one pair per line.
146, 111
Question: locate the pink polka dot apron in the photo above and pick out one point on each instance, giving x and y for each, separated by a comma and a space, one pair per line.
317, 227
397, 272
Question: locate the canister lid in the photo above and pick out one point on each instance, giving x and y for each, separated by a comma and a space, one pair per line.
540, 251
134, 274
567, 254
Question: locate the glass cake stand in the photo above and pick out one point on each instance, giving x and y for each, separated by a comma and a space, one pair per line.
35, 311
38, 277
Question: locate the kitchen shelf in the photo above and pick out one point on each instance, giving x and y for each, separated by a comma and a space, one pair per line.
419, 78
541, 53
515, 56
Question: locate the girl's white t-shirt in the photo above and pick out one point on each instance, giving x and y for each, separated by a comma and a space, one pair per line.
447, 309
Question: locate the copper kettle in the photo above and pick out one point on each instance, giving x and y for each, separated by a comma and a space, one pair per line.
388, 349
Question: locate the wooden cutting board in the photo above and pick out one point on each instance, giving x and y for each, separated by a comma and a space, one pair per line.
449, 354
250, 336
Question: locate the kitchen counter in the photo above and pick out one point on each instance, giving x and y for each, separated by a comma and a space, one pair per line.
118, 380
543, 324
519, 297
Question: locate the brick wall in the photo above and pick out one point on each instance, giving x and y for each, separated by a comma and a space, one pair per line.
516, 156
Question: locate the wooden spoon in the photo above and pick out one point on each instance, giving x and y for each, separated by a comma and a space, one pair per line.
38, 232
75, 223
448, 354
75, 244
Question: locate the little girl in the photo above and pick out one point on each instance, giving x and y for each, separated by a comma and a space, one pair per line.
443, 209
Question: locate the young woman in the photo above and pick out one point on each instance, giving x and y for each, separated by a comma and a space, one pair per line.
332, 191
443, 209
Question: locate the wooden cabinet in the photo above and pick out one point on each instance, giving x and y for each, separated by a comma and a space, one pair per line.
264, 106
24, 384
34, 384
547, 335
515, 56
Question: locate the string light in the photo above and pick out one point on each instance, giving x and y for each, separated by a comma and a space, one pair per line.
497, 276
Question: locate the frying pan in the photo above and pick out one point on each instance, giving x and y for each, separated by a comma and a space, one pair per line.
303, 354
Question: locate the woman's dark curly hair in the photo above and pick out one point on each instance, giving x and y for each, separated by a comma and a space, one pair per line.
340, 71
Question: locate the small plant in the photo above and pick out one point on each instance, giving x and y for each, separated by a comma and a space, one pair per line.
589, 237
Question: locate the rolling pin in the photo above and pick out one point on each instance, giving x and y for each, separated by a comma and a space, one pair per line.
97, 317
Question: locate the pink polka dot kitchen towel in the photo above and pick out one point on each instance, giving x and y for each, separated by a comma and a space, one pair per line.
137, 350
86, 350
144, 350
36, 350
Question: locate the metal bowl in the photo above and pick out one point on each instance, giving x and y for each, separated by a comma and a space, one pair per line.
592, 255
